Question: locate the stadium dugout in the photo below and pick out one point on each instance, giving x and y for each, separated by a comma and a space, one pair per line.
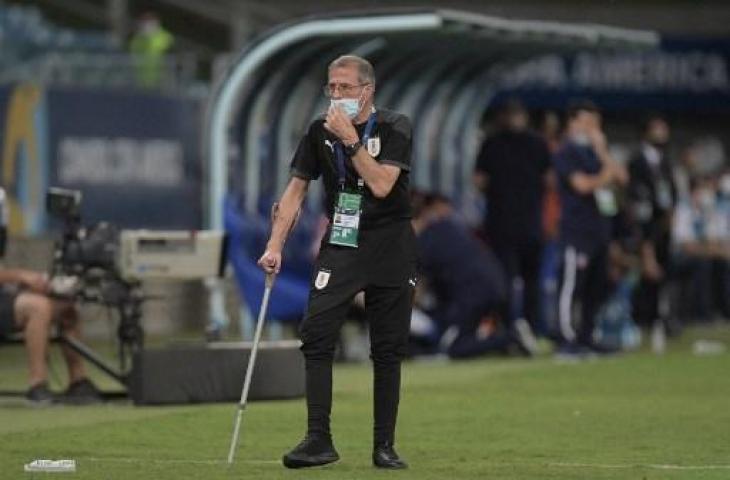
440, 67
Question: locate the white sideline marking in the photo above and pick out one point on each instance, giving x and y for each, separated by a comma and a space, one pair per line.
170, 461
655, 466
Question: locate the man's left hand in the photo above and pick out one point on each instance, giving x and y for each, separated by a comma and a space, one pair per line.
339, 124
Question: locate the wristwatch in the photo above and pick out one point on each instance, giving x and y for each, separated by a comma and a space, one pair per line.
352, 148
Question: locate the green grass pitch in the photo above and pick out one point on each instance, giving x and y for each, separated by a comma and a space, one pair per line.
637, 416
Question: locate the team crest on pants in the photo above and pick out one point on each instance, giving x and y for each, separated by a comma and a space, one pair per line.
323, 278
374, 146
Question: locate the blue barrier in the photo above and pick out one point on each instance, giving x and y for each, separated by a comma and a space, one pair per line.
247, 236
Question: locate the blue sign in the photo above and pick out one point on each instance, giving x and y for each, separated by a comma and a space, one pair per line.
684, 74
135, 156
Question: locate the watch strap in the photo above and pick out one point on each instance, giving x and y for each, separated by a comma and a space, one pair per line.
352, 148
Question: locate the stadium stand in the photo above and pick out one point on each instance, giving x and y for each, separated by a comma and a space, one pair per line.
32, 48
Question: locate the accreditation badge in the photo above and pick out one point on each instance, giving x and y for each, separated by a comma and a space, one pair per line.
346, 220
373, 146
664, 195
606, 202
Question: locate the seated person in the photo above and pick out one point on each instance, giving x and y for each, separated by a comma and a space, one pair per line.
25, 307
465, 279
701, 237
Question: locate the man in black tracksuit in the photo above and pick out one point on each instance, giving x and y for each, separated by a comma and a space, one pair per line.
511, 169
653, 195
363, 156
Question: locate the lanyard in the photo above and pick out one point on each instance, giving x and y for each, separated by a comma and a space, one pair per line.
340, 152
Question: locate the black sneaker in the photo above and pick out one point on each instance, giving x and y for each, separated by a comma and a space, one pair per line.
313, 451
601, 349
40, 395
384, 456
82, 392
573, 352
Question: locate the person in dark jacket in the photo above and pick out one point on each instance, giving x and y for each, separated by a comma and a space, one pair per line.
586, 174
653, 195
512, 170
463, 276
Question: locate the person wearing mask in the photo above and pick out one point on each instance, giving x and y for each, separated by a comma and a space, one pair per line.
511, 170
586, 172
149, 45
652, 195
363, 155
701, 240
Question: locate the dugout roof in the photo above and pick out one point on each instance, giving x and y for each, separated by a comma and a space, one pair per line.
440, 67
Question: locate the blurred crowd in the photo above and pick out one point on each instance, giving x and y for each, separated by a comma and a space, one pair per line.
594, 253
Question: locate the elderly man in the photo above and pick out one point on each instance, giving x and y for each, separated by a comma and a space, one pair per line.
25, 307
363, 156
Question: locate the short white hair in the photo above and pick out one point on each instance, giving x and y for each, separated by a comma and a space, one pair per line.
365, 71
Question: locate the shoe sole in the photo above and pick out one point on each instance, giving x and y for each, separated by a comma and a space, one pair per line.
310, 462
390, 467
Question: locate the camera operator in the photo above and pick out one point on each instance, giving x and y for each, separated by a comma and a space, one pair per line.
26, 307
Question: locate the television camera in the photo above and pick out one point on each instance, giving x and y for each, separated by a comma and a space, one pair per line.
104, 265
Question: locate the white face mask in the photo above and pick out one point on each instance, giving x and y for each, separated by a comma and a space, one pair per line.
351, 106
581, 139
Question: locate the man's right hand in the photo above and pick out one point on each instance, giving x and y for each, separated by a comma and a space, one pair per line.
270, 261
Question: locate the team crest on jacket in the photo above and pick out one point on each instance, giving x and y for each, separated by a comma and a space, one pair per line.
374, 146
323, 278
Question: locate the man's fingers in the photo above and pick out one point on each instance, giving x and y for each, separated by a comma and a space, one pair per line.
266, 267
270, 263
340, 112
340, 117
